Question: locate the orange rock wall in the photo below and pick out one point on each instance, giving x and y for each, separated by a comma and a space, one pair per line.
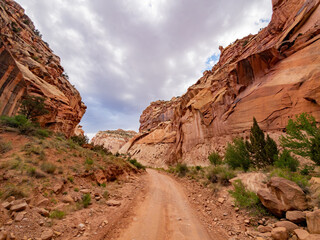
28, 66
272, 76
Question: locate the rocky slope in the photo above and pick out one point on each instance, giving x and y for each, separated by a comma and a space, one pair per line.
29, 67
272, 75
112, 140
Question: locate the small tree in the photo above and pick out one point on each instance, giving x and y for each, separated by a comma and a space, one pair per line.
303, 137
215, 158
237, 155
262, 151
33, 107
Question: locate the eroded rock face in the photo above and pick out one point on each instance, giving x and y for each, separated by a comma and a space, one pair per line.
29, 67
112, 140
272, 76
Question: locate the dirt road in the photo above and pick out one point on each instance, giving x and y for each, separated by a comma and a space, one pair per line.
164, 214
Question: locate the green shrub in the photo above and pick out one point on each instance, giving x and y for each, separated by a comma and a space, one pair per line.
57, 214
215, 159
15, 191
80, 140
287, 161
71, 179
303, 137
5, 147
33, 107
48, 167
246, 199
237, 155
263, 151
42, 133
136, 164
88, 161
32, 171
198, 168
212, 176
306, 170
106, 195
181, 169
86, 200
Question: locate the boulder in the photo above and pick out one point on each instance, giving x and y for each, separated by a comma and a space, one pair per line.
19, 207
289, 193
271, 202
57, 188
113, 203
279, 233
281, 196
264, 229
296, 216
313, 221
43, 212
288, 225
47, 234
67, 199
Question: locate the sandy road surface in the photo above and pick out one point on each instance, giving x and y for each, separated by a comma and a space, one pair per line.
164, 214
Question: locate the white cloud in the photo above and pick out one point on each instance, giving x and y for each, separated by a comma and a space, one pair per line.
123, 54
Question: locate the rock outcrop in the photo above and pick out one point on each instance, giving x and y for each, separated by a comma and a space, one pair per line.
272, 76
29, 67
112, 140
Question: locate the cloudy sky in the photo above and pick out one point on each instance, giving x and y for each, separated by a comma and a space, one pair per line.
123, 54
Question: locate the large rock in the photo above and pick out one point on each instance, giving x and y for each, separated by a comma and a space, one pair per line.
296, 216
112, 140
282, 195
313, 221
272, 76
29, 67
279, 233
288, 192
287, 225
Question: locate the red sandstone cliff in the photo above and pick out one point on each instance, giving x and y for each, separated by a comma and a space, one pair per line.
272, 75
28, 66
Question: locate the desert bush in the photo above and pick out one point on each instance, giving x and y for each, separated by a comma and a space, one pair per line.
80, 140
88, 161
181, 169
86, 200
33, 107
220, 174
13, 190
263, 152
212, 176
57, 214
136, 164
237, 155
48, 167
246, 199
31, 171
285, 160
5, 147
303, 137
306, 170
106, 195
214, 158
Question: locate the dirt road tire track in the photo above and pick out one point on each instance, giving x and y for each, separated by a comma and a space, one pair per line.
165, 214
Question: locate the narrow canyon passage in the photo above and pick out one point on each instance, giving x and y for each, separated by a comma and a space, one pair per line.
165, 214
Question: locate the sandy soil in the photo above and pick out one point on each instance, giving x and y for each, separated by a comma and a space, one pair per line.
164, 214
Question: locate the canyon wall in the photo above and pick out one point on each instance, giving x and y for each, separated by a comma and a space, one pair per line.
272, 76
112, 140
29, 67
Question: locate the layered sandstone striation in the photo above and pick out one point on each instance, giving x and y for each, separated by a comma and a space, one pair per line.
29, 67
112, 140
272, 76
